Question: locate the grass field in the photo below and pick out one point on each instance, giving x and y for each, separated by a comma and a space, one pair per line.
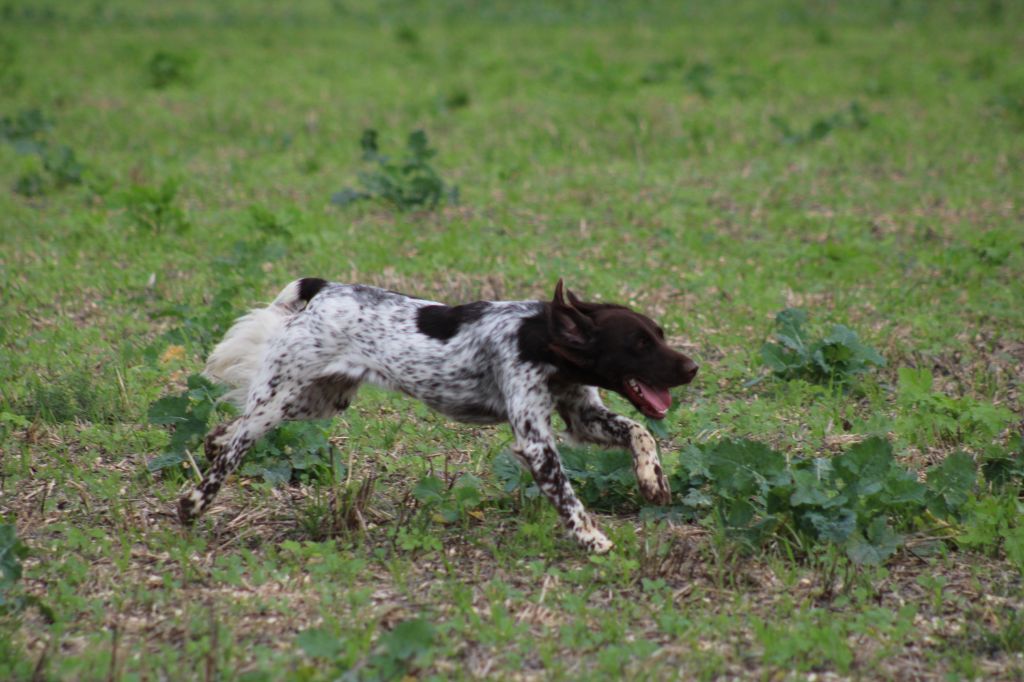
165, 166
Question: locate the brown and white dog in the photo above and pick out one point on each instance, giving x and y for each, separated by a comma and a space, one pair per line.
305, 355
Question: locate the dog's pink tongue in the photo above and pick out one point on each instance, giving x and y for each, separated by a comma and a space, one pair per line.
658, 398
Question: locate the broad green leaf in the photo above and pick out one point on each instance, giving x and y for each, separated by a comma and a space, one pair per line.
198, 381
950, 484
902, 487
809, 490
841, 336
657, 427
508, 471
429, 490
836, 527
755, 534
697, 499
169, 410
983, 519
410, 639
1002, 464
188, 435
165, 460
865, 465
1013, 544
789, 327
739, 514
989, 419
694, 461
319, 643
778, 359
277, 473
12, 551
874, 546
744, 467
914, 384
612, 462
467, 491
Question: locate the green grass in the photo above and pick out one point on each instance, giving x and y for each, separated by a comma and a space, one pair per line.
711, 164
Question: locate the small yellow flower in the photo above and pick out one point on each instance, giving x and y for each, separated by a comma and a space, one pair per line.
172, 354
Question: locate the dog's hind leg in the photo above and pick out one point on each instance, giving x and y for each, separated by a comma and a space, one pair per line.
324, 398
271, 403
218, 438
589, 420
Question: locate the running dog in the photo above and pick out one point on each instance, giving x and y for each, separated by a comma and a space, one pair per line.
305, 355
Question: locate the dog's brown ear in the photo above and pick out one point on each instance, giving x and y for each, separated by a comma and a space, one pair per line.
570, 330
574, 300
559, 298
561, 293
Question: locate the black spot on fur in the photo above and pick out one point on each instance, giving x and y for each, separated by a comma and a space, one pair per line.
310, 287
442, 322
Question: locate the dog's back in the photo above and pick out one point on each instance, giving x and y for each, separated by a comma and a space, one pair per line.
450, 357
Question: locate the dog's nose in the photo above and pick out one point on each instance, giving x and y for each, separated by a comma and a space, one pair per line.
689, 370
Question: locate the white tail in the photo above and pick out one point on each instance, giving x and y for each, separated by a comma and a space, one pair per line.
236, 360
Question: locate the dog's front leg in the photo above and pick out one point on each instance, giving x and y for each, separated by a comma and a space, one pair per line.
589, 420
535, 447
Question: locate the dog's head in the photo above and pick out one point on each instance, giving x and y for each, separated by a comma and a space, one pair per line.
613, 347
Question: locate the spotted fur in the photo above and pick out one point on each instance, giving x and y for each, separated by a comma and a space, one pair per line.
305, 356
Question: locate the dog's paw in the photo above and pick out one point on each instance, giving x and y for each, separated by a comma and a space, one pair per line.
583, 529
654, 486
595, 542
650, 477
188, 508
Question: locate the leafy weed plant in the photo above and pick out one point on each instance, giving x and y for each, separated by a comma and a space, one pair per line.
853, 117
442, 503
165, 68
13, 600
407, 184
189, 416
26, 130
833, 359
153, 209
58, 166
292, 451
928, 416
859, 500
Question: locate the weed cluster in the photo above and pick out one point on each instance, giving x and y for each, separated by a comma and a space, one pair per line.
52, 166
446, 501
928, 416
154, 210
701, 77
293, 451
857, 500
165, 68
189, 414
409, 183
407, 647
853, 117
12, 599
834, 359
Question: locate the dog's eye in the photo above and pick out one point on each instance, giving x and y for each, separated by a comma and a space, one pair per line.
661, 333
642, 343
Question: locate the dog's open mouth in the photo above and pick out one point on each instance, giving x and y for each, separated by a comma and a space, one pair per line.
653, 402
